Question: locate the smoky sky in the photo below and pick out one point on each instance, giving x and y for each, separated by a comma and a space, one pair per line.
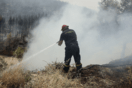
29, 7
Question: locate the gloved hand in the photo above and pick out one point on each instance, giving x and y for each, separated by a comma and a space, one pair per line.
60, 43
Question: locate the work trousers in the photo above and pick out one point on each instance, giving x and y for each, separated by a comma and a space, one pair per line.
70, 51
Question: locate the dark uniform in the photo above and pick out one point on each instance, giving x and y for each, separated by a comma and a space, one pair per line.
72, 48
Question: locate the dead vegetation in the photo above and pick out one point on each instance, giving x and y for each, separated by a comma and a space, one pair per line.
54, 78
13, 78
91, 76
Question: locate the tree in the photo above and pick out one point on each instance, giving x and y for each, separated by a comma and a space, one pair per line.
126, 6
11, 21
106, 4
121, 7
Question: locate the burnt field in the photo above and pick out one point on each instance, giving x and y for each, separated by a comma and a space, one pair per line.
93, 76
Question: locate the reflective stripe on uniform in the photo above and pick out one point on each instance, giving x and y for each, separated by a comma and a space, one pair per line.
78, 64
67, 66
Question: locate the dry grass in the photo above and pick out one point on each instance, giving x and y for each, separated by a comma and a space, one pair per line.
13, 78
11, 61
53, 78
129, 77
49, 78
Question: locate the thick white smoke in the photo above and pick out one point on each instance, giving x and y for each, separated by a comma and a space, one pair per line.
101, 38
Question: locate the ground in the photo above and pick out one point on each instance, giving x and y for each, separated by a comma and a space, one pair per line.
91, 76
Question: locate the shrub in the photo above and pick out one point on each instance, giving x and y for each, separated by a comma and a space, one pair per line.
8, 40
19, 52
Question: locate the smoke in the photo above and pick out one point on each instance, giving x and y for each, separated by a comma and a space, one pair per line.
29, 7
101, 36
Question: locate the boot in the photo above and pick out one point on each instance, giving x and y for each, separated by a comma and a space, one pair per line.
66, 69
78, 67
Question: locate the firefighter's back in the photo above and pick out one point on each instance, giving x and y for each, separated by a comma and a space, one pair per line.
70, 37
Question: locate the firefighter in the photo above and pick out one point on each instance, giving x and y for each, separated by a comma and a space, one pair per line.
71, 49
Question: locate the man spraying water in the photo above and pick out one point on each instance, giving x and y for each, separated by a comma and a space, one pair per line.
72, 48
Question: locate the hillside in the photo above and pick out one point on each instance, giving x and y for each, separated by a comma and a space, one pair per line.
29, 27
92, 76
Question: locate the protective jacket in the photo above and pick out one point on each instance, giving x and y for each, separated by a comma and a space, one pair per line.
69, 36
72, 48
